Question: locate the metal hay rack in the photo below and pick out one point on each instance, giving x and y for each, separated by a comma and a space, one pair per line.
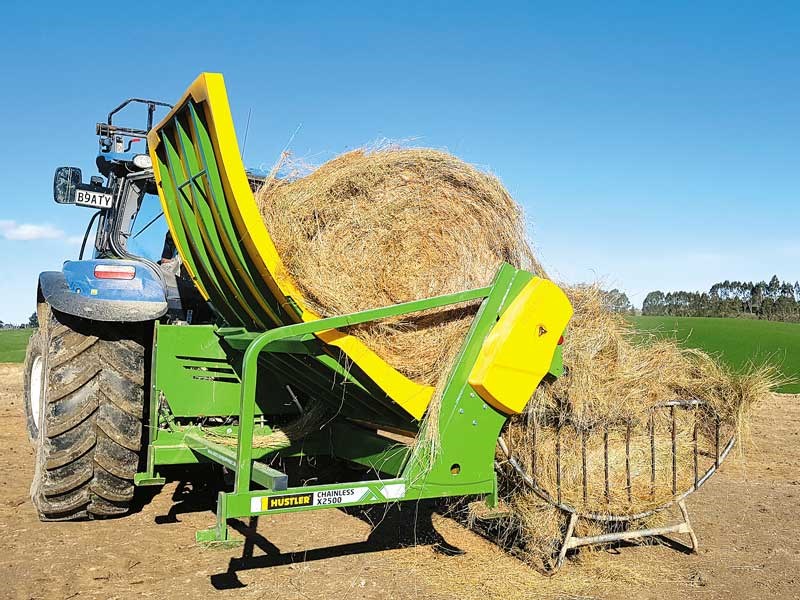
704, 462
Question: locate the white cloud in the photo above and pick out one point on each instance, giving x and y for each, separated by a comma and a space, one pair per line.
11, 230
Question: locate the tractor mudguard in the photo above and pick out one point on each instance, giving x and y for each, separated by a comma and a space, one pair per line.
78, 291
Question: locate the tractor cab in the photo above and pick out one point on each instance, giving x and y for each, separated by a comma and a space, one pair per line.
127, 268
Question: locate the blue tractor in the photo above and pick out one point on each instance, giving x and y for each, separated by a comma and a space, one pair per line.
85, 366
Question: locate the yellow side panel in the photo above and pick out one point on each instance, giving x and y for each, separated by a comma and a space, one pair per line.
209, 90
517, 353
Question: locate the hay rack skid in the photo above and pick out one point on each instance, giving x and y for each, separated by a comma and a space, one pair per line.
674, 457
240, 392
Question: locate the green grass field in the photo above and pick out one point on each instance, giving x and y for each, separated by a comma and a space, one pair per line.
13, 343
736, 341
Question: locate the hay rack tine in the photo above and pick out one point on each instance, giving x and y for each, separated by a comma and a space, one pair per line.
555, 497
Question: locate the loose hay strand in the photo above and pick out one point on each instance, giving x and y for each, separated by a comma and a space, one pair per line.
280, 437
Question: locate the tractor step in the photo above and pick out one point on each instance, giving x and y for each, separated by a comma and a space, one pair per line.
270, 478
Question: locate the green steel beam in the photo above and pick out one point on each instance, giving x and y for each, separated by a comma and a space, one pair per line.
316, 497
211, 227
198, 374
270, 478
304, 330
468, 427
224, 219
365, 447
302, 344
184, 209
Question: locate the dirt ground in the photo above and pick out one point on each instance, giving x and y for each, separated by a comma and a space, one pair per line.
745, 519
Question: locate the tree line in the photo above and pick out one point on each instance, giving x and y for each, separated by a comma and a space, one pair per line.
775, 300
33, 321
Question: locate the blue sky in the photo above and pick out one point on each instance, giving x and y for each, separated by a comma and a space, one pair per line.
652, 146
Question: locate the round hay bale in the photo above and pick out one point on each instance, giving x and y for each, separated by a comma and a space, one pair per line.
375, 228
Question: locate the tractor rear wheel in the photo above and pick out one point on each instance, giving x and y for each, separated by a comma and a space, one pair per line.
84, 398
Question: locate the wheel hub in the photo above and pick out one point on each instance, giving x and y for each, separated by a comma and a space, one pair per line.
36, 389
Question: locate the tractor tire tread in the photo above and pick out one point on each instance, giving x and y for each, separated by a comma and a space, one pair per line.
89, 448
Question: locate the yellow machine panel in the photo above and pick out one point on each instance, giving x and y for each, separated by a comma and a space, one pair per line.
519, 350
208, 91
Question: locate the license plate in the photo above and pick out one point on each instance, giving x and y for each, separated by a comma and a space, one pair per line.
93, 199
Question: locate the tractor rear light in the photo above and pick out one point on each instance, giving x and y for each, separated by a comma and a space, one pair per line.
560, 340
114, 272
143, 161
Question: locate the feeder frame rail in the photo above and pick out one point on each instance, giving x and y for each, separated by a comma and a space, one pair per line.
572, 541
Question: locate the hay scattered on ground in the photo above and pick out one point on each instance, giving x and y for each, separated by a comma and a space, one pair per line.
485, 571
